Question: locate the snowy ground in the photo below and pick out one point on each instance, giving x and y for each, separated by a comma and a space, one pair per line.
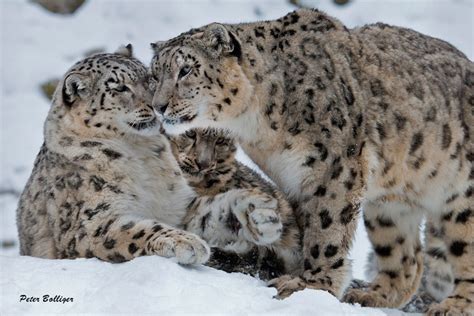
36, 46
151, 285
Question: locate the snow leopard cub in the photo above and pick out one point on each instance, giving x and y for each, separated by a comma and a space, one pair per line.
207, 159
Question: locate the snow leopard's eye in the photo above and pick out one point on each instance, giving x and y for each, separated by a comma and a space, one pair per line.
191, 134
220, 141
186, 70
121, 88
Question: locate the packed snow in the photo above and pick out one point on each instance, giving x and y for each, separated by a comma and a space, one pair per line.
37, 45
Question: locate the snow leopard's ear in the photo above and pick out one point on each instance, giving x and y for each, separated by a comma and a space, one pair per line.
157, 46
220, 40
126, 50
76, 86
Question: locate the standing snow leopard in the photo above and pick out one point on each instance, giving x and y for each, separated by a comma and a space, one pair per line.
377, 117
207, 159
105, 183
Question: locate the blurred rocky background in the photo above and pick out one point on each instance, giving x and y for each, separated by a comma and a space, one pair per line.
70, 6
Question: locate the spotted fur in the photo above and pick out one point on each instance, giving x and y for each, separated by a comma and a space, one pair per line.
377, 117
437, 281
207, 159
91, 192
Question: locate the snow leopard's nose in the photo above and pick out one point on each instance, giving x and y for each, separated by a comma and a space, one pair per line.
162, 107
202, 164
160, 102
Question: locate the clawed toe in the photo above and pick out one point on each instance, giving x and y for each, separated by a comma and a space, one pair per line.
366, 298
286, 285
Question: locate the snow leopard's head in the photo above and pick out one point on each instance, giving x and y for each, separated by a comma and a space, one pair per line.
200, 80
105, 95
202, 152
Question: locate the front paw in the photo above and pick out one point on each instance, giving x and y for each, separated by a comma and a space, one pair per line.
257, 215
187, 248
287, 285
264, 226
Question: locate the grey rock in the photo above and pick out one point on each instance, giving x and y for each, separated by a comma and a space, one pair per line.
60, 6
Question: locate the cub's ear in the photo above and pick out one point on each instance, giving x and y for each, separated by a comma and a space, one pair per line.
76, 86
157, 46
126, 51
217, 37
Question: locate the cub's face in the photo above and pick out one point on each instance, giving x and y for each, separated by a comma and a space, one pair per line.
199, 81
203, 151
107, 95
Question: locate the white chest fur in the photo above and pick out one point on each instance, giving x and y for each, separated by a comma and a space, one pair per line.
283, 167
286, 170
152, 176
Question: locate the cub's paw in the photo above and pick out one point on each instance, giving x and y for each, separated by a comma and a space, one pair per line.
264, 226
287, 285
451, 306
187, 248
258, 217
